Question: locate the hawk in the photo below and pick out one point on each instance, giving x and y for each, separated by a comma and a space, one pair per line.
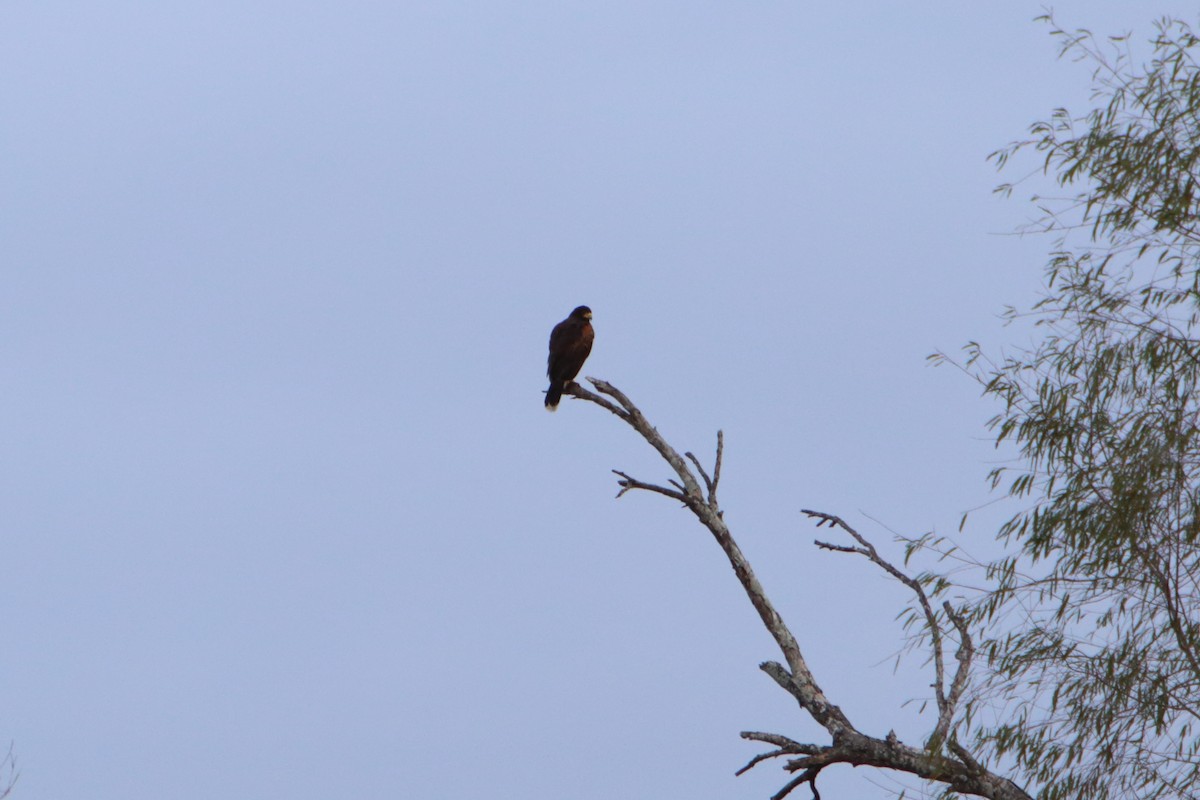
570, 343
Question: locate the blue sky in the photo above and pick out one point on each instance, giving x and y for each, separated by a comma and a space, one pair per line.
281, 513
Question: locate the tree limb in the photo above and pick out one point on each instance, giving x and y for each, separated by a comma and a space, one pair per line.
946, 702
849, 745
711, 484
626, 483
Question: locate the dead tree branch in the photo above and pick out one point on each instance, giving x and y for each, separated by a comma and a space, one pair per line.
9, 763
947, 702
849, 745
800, 681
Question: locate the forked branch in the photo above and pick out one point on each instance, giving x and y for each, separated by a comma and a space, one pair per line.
957, 770
947, 700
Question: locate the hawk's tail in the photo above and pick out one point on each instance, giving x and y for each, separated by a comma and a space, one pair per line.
553, 395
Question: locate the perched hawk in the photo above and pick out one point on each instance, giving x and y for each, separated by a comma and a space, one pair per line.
570, 343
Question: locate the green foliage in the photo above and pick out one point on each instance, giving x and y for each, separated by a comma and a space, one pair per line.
1094, 627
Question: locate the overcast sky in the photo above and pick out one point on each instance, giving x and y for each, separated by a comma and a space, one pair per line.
281, 512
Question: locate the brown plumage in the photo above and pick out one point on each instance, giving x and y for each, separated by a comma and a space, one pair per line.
570, 343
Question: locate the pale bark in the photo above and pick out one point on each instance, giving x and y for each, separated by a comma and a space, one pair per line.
942, 759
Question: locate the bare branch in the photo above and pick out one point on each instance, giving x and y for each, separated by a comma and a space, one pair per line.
575, 390
964, 655
626, 483
717, 467
758, 759
700, 468
849, 745
711, 483
782, 742
781, 676
946, 708
806, 690
960, 751
10, 762
809, 777
839, 548
640, 424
